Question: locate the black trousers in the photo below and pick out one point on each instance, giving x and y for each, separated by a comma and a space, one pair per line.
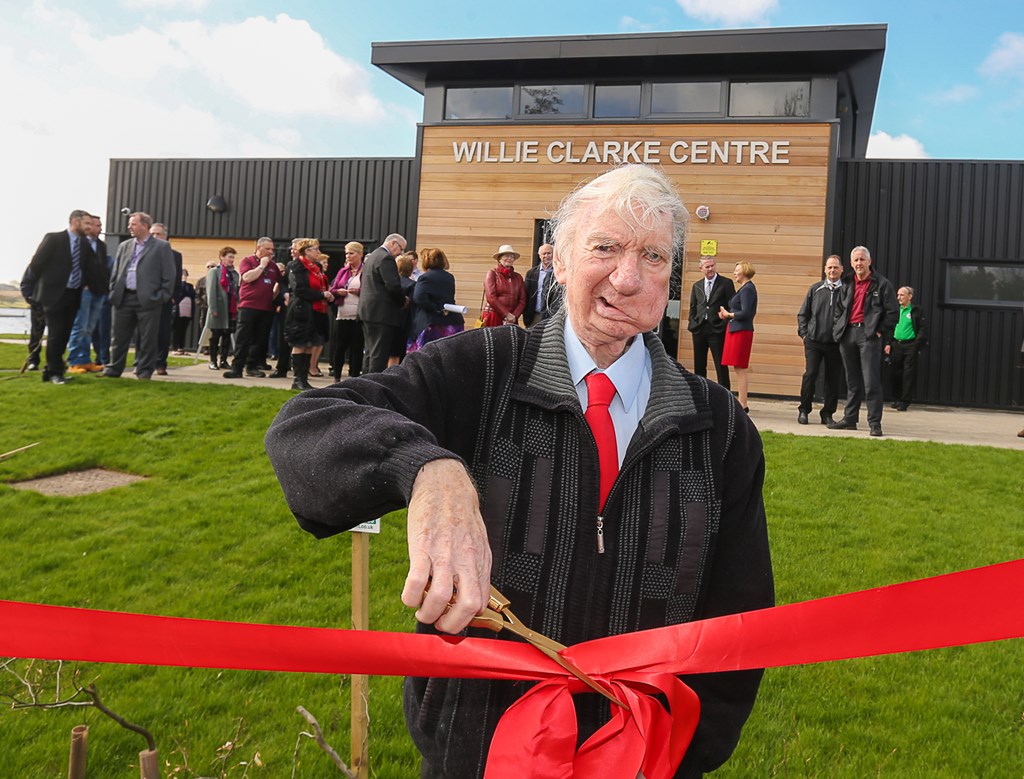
179, 328
251, 332
60, 317
347, 341
815, 355
163, 336
862, 359
903, 370
35, 338
220, 344
379, 339
703, 340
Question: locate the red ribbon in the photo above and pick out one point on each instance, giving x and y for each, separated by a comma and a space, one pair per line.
537, 735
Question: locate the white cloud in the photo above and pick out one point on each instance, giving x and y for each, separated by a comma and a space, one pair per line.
958, 93
629, 24
164, 5
187, 89
1007, 59
881, 145
730, 11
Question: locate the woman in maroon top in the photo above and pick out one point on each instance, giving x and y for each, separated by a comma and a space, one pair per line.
504, 290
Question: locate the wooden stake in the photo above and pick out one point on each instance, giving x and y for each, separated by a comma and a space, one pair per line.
149, 764
79, 748
359, 756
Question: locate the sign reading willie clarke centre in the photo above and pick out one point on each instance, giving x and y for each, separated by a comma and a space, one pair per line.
612, 152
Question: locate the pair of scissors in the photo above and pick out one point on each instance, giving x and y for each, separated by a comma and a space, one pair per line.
497, 617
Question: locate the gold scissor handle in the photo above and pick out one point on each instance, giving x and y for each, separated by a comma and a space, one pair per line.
497, 617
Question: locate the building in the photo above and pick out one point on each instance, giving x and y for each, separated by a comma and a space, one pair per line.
764, 132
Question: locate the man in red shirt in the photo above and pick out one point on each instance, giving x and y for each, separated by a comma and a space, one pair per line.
260, 278
865, 317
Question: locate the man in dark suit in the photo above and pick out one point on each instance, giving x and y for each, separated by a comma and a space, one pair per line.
381, 301
61, 266
143, 282
163, 345
708, 295
540, 305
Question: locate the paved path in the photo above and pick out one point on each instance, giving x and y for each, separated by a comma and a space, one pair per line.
920, 423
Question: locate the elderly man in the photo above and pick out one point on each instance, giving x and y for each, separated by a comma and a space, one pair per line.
908, 339
814, 324
540, 302
575, 466
381, 301
142, 283
865, 319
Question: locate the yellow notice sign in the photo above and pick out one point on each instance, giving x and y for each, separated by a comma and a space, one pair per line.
708, 248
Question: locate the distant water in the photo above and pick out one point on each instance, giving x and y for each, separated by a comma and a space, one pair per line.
16, 321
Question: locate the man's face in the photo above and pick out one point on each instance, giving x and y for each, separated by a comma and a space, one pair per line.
833, 269
861, 263
616, 279
546, 252
904, 297
709, 268
158, 232
396, 247
138, 230
228, 259
79, 224
264, 250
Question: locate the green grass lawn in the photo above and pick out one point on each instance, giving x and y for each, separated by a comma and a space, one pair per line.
208, 535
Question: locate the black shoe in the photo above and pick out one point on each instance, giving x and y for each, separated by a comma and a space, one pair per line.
214, 367
902, 406
58, 378
876, 430
801, 418
264, 367
826, 419
144, 376
232, 374
894, 405
224, 365
109, 375
842, 424
32, 366
279, 375
255, 374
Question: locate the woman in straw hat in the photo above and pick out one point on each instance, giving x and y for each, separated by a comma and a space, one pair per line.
504, 290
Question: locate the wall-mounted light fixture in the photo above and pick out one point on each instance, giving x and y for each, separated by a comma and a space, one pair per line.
217, 204
702, 212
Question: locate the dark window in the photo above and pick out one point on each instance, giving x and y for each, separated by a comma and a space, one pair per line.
1000, 285
478, 103
562, 99
770, 98
612, 100
687, 98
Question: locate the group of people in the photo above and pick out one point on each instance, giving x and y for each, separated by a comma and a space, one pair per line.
377, 308
847, 324
508, 296
82, 297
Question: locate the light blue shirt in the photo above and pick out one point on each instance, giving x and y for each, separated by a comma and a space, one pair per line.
631, 375
542, 276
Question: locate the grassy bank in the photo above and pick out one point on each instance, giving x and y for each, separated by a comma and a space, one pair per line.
207, 534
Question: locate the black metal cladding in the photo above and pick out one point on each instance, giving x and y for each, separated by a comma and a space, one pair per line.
914, 216
332, 199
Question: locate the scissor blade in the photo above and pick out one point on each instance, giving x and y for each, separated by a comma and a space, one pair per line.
571, 668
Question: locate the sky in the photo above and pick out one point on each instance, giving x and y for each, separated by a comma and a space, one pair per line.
87, 82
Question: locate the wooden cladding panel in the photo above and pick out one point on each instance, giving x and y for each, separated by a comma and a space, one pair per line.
772, 215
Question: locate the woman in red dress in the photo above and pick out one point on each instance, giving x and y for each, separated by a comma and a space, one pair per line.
739, 335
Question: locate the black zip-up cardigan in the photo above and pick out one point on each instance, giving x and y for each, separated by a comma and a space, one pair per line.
684, 525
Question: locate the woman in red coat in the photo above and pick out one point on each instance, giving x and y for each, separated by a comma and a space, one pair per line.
504, 290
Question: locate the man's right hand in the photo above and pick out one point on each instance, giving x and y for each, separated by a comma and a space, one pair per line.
449, 558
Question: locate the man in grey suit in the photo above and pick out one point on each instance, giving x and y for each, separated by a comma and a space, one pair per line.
142, 283
381, 301
708, 295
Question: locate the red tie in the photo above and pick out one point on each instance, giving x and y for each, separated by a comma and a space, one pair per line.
600, 392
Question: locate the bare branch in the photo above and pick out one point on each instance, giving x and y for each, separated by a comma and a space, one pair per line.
318, 736
92, 693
